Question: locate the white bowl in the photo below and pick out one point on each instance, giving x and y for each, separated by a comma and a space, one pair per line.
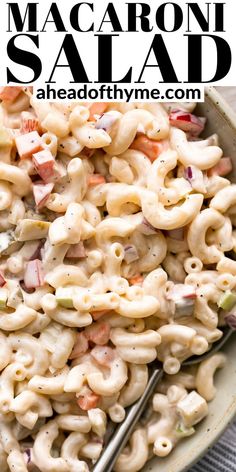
221, 120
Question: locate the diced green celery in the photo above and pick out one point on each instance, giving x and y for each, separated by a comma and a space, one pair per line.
5, 138
227, 301
182, 431
3, 297
64, 297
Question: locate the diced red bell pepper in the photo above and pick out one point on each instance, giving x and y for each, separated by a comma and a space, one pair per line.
88, 401
98, 333
104, 355
80, 346
151, 148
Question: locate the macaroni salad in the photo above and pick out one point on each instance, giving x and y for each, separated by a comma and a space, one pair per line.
117, 241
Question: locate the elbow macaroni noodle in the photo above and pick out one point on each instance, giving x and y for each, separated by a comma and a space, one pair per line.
111, 257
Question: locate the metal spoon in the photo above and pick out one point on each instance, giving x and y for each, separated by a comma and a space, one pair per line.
122, 432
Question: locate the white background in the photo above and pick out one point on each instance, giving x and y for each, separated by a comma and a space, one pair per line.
130, 49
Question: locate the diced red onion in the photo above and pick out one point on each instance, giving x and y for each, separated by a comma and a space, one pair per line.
37, 254
106, 121
131, 253
195, 177
231, 320
33, 277
27, 290
146, 228
2, 280
187, 122
27, 455
189, 173
177, 234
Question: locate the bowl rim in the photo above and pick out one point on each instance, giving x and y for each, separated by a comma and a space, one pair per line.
221, 105
228, 114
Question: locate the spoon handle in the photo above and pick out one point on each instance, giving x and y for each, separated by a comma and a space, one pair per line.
123, 431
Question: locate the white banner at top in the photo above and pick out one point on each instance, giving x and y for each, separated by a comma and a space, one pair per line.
145, 45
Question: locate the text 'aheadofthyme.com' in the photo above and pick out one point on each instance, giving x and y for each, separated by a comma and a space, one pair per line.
114, 92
